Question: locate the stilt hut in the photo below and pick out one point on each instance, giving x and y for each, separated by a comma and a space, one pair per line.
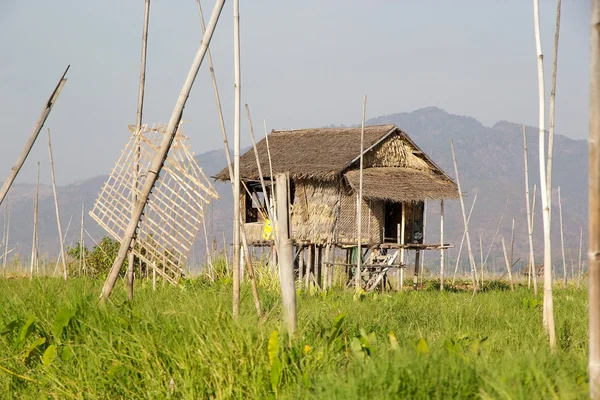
323, 168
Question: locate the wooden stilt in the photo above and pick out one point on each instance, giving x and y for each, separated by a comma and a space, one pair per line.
416, 274
300, 265
442, 243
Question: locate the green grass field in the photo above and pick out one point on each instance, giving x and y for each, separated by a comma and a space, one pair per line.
56, 341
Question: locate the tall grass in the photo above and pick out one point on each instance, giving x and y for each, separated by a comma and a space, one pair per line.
181, 343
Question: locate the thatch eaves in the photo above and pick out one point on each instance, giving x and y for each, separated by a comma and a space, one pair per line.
402, 184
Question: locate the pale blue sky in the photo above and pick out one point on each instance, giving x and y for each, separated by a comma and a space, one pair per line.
305, 64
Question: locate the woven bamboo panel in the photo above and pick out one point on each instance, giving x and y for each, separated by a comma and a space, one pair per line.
372, 220
174, 212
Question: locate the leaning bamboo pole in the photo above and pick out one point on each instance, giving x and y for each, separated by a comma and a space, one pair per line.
462, 241
552, 107
34, 134
548, 319
60, 236
496, 233
532, 272
140, 111
273, 205
594, 206
161, 153
562, 238
236, 157
464, 215
257, 159
508, 266
34, 241
359, 199
230, 169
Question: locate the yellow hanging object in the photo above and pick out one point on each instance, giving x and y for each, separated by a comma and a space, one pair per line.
267, 230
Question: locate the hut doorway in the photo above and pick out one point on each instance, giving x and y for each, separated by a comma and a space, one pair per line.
393, 218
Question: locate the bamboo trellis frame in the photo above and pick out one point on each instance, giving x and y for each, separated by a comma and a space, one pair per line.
174, 212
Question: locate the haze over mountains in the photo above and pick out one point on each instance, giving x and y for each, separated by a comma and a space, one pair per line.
490, 162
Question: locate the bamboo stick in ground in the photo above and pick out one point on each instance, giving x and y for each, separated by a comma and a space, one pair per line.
462, 207
236, 158
462, 241
594, 206
562, 238
532, 269
497, 230
481, 257
286, 254
548, 315
161, 153
82, 240
60, 236
508, 266
512, 242
579, 262
359, 199
552, 107
6, 233
34, 134
442, 243
34, 242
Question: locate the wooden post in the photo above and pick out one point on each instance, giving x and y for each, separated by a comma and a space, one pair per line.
422, 260
161, 153
34, 242
331, 260
416, 274
310, 261
462, 241
544, 190
462, 206
251, 274
286, 254
532, 272
300, 265
359, 200
319, 265
562, 238
34, 134
60, 236
508, 266
442, 243
236, 158
402, 228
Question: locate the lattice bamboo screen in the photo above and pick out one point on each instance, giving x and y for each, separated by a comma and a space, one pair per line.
174, 212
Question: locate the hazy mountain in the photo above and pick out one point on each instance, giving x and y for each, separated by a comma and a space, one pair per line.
490, 162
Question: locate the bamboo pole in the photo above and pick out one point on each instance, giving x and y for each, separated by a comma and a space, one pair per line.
402, 250
82, 240
236, 158
359, 200
481, 257
552, 107
6, 234
34, 242
508, 266
548, 300
161, 153
579, 262
257, 158
462, 207
562, 238
207, 247
532, 271
60, 236
497, 231
286, 254
422, 259
594, 206
512, 242
34, 134
270, 163
230, 169
139, 115
462, 241
442, 243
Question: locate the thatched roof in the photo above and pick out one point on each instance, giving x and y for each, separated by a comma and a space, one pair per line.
321, 154
402, 184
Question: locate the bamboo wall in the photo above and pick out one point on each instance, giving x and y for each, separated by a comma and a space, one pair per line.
372, 220
315, 208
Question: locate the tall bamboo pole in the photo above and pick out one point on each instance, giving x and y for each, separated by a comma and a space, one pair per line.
552, 106
236, 157
532, 272
82, 240
34, 242
548, 300
161, 153
140, 111
230, 169
60, 236
508, 266
562, 238
462, 241
594, 206
442, 243
34, 134
359, 199
464, 215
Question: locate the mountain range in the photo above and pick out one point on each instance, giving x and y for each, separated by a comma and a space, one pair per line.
490, 163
